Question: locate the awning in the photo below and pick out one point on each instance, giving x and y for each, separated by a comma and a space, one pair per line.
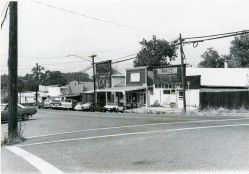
68, 95
117, 89
122, 89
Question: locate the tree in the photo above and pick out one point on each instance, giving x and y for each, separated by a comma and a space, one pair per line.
239, 52
37, 72
155, 52
79, 76
211, 59
54, 78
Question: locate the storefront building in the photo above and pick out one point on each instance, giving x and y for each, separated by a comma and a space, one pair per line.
135, 90
168, 87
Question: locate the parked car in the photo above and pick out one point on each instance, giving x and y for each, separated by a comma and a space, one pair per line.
56, 104
68, 104
22, 112
78, 107
96, 107
86, 106
47, 103
114, 107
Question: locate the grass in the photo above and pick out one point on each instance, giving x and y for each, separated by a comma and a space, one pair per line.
217, 111
5, 140
205, 112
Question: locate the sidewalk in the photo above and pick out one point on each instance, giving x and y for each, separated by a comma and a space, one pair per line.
155, 110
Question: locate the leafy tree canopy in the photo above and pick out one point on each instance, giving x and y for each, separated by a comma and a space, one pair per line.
79, 76
211, 59
155, 52
239, 52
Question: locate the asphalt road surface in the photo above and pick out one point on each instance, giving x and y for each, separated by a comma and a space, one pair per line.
79, 142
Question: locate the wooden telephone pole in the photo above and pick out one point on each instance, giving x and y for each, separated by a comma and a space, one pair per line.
183, 75
36, 84
94, 83
12, 66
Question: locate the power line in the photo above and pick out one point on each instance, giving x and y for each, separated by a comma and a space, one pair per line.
4, 7
97, 19
196, 41
6, 12
63, 56
216, 35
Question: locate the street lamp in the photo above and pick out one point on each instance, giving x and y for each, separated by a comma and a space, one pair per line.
94, 85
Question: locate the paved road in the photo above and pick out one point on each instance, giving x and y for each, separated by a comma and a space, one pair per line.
78, 142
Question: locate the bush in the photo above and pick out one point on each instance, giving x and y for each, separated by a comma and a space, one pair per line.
156, 104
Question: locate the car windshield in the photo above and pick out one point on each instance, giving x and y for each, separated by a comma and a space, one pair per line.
88, 103
20, 106
111, 104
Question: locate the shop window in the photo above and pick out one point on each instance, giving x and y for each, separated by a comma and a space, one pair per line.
166, 91
173, 91
180, 95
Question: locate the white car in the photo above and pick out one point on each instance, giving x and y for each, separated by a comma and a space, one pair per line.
86, 106
78, 107
114, 107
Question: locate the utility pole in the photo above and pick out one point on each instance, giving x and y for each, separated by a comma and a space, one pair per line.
12, 66
36, 84
183, 75
94, 83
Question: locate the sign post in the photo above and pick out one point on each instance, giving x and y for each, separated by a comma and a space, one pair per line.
188, 83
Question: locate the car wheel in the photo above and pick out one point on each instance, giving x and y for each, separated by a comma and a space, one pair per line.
25, 117
92, 110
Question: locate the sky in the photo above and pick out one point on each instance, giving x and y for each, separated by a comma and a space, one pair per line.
112, 29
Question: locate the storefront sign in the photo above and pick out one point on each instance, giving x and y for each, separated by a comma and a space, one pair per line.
135, 77
167, 70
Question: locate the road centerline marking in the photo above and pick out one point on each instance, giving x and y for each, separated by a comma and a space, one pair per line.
40, 164
130, 126
133, 133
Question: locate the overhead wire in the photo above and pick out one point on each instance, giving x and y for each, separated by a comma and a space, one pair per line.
5, 16
195, 42
198, 37
97, 19
4, 7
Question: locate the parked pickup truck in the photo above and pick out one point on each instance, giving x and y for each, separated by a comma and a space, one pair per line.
114, 107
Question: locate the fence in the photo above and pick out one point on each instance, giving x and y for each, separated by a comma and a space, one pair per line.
227, 99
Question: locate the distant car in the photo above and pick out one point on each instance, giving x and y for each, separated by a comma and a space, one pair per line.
47, 103
56, 104
97, 107
78, 107
114, 107
68, 104
86, 106
22, 112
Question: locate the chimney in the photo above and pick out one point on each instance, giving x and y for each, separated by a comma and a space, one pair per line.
225, 63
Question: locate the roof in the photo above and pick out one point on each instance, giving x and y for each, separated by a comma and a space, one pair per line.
137, 68
223, 77
68, 95
118, 89
88, 85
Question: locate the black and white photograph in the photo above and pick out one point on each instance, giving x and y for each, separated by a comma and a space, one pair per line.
124, 86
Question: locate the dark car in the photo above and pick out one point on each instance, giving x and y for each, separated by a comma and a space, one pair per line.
96, 107
22, 112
